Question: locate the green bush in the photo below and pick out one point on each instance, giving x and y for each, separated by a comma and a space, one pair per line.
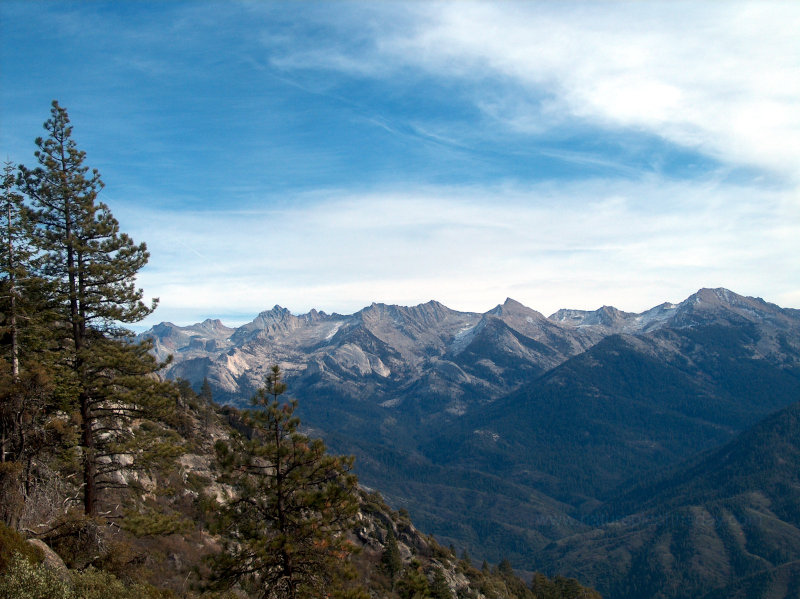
98, 584
23, 579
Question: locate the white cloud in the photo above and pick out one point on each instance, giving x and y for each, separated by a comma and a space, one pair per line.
632, 245
719, 77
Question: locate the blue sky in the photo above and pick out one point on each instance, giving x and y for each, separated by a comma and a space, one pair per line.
328, 155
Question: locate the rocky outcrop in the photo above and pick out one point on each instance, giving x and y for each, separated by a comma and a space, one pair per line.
51, 560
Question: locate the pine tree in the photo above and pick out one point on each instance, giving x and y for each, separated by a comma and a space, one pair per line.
292, 505
466, 557
439, 587
206, 394
14, 251
91, 267
25, 390
391, 560
206, 397
505, 568
413, 584
17, 253
92, 263
123, 406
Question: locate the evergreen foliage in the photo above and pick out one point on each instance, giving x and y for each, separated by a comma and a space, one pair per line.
390, 559
13, 544
205, 392
92, 264
439, 589
413, 584
560, 588
293, 505
16, 264
25, 371
23, 579
91, 269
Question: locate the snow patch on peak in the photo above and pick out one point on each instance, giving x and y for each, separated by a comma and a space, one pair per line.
334, 329
462, 338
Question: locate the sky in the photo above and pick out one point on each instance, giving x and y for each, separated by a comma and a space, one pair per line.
333, 154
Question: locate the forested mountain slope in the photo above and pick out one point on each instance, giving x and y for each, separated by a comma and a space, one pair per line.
724, 524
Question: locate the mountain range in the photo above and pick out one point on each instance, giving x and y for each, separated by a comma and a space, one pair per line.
539, 439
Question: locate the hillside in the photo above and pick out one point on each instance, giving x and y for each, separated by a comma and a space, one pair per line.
625, 406
725, 524
161, 548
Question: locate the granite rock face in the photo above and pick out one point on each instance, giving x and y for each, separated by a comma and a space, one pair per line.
440, 359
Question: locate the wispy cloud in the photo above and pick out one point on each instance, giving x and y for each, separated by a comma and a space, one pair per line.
720, 77
631, 245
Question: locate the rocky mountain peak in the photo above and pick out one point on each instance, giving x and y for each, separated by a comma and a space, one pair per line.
276, 320
610, 316
512, 303
724, 306
713, 297
314, 315
424, 345
703, 307
213, 326
277, 313
420, 316
513, 309
605, 316
163, 328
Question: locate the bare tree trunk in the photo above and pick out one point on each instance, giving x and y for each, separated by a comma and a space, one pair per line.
89, 465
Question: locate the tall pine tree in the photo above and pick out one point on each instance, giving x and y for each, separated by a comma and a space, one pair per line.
16, 254
92, 269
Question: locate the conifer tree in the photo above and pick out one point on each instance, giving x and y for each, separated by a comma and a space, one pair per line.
439, 589
206, 394
15, 267
91, 267
24, 383
206, 397
466, 557
505, 568
14, 251
413, 584
293, 505
391, 560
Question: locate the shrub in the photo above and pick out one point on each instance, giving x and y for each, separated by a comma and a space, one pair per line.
99, 584
23, 579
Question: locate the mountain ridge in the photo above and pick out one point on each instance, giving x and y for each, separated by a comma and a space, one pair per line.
449, 412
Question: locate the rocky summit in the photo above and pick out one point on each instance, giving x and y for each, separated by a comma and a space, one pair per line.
441, 359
